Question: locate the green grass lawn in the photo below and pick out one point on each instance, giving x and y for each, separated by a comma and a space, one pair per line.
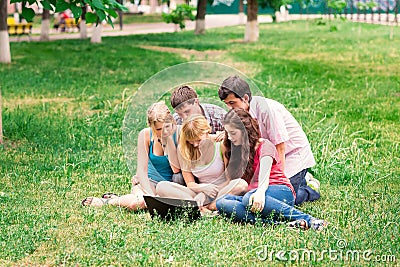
63, 108
148, 18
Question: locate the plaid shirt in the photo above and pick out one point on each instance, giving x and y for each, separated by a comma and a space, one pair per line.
214, 115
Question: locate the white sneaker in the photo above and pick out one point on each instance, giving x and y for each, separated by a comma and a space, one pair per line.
318, 225
312, 182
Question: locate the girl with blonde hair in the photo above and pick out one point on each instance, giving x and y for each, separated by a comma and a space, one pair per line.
156, 160
203, 167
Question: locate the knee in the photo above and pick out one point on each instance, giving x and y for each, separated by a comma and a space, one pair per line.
162, 188
239, 187
221, 204
243, 186
246, 197
246, 200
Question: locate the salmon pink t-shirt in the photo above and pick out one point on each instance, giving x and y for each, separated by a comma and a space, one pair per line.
278, 125
276, 177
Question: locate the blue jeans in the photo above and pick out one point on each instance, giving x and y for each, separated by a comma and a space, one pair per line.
279, 202
303, 191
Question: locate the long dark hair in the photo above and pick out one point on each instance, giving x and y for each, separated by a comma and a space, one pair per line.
241, 157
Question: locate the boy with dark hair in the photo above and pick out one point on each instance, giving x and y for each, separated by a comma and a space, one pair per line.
185, 102
277, 125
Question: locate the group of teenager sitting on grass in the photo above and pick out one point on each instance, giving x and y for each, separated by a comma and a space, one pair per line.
249, 164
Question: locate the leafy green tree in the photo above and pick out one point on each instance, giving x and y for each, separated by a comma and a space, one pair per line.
366, 6
102, 10
274, 4
179, 15
338, 6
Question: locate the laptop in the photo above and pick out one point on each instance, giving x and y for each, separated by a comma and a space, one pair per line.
172, 208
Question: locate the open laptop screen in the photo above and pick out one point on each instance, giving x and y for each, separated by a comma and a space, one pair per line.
171, 208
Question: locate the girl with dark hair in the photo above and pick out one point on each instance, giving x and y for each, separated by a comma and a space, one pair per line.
279, 126
271, 195
201, 157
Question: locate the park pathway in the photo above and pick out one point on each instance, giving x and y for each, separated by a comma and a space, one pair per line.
212, 21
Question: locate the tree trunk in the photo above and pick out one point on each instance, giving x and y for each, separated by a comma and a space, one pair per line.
241, 12
251, 34
45, 27
120, 14
96, 35
153, 6
200, 17
278, 17
82, 24
5, 54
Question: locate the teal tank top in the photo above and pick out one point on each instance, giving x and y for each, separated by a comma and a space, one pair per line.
158, 167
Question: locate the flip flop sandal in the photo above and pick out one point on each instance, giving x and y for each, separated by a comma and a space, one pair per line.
84, 204
299, 224
109, 195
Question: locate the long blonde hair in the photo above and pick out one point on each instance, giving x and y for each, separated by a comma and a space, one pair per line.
158, 112
192, 129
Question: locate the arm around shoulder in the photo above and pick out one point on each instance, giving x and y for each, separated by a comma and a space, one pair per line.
225, 159
143, 160
172, 151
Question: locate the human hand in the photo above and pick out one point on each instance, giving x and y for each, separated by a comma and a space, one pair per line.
210, 189
257, 201
168, 130
219, 136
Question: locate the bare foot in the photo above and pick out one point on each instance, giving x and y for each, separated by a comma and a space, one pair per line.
299, 224
212, 205
208, 213
200, 198
109, 195
94, 202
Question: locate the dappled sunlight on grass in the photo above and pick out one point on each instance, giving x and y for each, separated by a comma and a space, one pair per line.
63, 115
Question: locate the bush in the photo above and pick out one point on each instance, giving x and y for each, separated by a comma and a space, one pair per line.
178, 15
